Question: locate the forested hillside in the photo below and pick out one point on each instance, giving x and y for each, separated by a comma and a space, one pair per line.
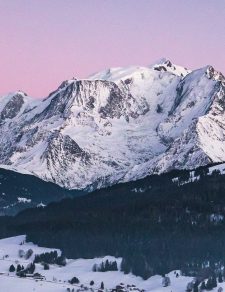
20, 191
157, 224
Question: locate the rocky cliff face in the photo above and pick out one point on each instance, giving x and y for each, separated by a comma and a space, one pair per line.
119, 125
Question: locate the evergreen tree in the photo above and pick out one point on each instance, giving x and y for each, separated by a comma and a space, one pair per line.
214, 282
12, 269
195, 286
74, 280
106, 266
94, 268
19, 268
189, 287
166, 281
220, 277
28, 254
61, 261
125, 267
21, 253
203, 286
159, 109
46, 266
209, 285
102, 286
114, 266
30, 268
102, 267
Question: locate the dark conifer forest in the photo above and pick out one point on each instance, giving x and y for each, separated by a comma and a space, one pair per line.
28, 187
156, 224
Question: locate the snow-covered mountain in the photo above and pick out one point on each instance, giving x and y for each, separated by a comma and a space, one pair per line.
118, 125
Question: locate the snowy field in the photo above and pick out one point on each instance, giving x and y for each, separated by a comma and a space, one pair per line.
56, 278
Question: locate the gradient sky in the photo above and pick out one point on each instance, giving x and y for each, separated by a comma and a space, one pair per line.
43, 42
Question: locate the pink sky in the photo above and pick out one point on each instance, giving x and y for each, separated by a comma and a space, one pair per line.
43, 42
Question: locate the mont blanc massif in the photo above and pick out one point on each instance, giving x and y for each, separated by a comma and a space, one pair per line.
119, 125
124, 173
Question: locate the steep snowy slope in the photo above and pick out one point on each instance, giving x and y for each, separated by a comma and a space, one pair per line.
120, 124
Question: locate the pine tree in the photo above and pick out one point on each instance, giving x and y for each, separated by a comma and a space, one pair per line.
12, 269
114, 266
209, 285
107, 266
102, 267
61, 261
203, 286
19, 268
220, 277
159, 109
195, 287
189, 287
166, 281
74, 280
125, 266
32, 268
46, 266
28, 254
214, 282
102, 286
94, 269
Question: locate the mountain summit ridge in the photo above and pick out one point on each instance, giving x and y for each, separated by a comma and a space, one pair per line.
121, 124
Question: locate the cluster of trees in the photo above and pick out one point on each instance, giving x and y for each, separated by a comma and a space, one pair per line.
193, 286
105, 266
165, 227
26, 255
74, 280
166, 281
210, 283
20, 270
50, 258
30, 268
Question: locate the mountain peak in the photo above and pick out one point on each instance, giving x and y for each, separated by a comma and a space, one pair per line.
214, 74
160, 62
165, 65
19, 92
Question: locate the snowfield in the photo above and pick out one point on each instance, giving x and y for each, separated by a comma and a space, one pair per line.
56, 278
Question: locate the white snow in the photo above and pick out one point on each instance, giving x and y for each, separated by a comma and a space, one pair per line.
23, 200
41, 205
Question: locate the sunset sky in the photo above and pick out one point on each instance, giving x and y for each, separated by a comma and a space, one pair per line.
43, 42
